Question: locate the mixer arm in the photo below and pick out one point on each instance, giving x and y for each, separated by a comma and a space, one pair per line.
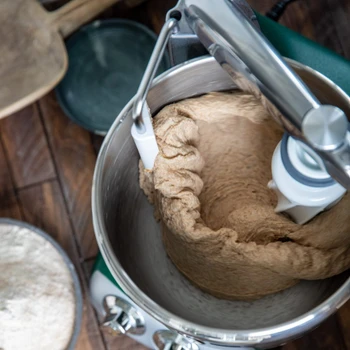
226, 28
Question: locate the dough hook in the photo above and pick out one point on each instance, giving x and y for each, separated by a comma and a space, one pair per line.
228, 30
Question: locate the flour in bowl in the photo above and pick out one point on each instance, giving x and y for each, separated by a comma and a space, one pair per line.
37, 299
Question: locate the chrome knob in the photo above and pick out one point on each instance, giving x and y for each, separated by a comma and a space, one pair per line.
121, 317
325, 127
169, 340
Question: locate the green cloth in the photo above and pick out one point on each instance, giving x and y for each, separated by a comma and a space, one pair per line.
101, 266
295, 46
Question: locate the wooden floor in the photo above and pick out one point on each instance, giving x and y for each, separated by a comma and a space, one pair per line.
47, 162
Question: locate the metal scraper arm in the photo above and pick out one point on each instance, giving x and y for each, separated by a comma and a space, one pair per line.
227, 31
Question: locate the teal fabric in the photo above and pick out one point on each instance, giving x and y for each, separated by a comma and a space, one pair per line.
101, 266
295, 46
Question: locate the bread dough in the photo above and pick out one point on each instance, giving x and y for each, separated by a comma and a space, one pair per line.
209, 188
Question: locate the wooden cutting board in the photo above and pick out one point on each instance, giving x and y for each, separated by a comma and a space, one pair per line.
33, 58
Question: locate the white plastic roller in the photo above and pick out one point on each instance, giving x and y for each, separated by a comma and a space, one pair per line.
303, 186
145, 141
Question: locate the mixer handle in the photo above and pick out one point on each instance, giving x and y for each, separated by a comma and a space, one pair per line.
228, 31
229, 34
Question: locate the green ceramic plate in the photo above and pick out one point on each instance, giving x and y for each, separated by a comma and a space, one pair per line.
106, 62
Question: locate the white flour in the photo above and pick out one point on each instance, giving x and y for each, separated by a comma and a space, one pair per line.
37, 301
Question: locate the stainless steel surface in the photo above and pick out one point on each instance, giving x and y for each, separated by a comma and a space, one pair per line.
227, 31
170, 340
185, 45
325, 128
150, 72
337, 163
240, 49
130, 238
121, 317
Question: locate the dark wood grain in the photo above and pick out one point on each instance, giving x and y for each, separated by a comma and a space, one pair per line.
9, 207
121, 342
326, 337
324, 25
74, 159
6, 183
261, 6
48, 212
26, 146
122, 10
43, 206
97, 142
156, 11
90, 337
344, 322
340, 10
87, 267
323, 21
297, 17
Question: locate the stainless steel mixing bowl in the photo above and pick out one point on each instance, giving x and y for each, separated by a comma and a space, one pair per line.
130, 238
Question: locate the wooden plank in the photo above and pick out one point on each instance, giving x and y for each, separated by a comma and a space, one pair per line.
43, 206
156, 11
261, 6
97, 142
74, 158
295, 14
87, 267
324, 27
5, 176
9, 207
344, 322
325, 23
26, 147
122, 10
90, 337
340, 10
327, 336
297, 17
121, 342
133, 3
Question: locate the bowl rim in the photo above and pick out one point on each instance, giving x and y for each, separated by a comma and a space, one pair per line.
249, 337
77, 289
70, 42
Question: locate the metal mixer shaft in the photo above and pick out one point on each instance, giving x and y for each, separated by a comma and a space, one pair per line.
229, 32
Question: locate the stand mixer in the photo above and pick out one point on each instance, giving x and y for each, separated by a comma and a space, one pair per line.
311, 165
136, 289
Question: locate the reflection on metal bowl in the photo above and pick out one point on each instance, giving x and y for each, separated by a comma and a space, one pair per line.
130, 238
